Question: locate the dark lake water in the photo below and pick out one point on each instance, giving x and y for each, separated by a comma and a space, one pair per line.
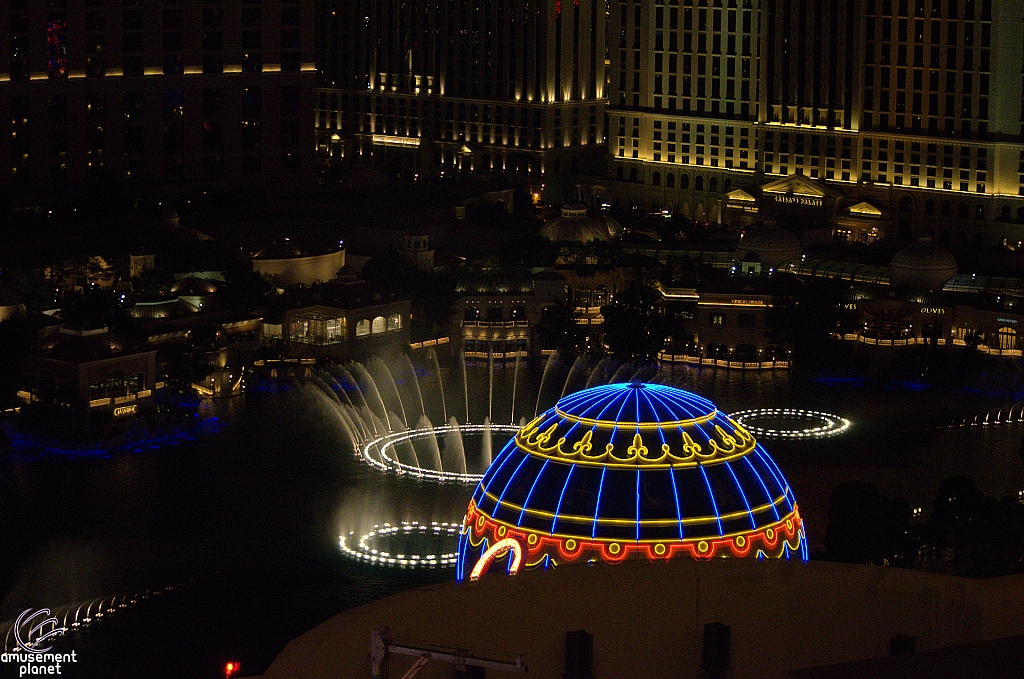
243, 521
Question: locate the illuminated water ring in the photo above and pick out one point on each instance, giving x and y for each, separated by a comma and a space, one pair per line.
806, 424
380, 452
378, 547
629, 471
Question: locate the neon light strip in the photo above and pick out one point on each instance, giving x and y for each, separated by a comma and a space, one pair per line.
679, 512
615, 550
607, 424
767, 495
530, 494
597, 505
509, 482
638, 502
794, 515
711, 494
498, 549
753, 524
558, 509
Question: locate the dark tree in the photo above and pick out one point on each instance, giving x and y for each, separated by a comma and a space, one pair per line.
864, 526
957, 523
559, 329
635, 325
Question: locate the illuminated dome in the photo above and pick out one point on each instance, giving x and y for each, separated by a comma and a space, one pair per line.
922, 266
772, 245
629, 470
576, 225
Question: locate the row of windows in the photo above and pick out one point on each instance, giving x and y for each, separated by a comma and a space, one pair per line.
172, 103
934, 8
955, 32
133, 166
133, 19
718, 319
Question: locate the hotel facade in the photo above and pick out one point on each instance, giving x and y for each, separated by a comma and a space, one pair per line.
907, 110
179, 90
446, 88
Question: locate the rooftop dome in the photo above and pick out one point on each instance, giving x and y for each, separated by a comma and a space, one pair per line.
922, 266
772, 245
629, 470
576, 225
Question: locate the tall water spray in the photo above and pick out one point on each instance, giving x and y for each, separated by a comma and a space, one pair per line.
454, 449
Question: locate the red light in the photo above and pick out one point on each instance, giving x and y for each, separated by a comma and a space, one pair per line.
231, 668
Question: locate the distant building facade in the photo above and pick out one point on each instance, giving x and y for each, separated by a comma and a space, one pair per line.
97, 91
98, 375
347, 318
433, 87
915, 106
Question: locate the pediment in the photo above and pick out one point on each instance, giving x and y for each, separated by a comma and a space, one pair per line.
865, 209
796, 185
740, 195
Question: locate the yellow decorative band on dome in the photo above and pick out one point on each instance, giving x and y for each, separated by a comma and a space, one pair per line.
611, 424
726, 446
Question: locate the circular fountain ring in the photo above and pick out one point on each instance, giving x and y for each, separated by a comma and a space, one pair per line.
380, 452
368, 548
805, 424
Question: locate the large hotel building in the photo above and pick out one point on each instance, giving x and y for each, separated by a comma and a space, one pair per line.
898, 118
154, 90
449, 87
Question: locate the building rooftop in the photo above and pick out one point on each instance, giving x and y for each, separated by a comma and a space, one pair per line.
648, 621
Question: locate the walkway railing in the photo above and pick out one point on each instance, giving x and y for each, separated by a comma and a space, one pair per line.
910, 341
428, 343
666, 357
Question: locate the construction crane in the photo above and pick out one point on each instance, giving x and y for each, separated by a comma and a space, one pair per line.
381, 646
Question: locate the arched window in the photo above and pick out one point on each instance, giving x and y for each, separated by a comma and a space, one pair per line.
495, 314
684, 182
979, 241
944, 237
670, 181
472, 313
713, 185
363, 327
632, 174
1006, 215
583, 296
947, 209
601, 295
518, 313
961, 238
1020, 214
963, 210
395, 322
906, 204
656, 179
979, 211
379, 325
929, 207
618, 173
698, 183
726, 185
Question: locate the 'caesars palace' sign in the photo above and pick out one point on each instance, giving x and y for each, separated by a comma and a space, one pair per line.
810, 201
